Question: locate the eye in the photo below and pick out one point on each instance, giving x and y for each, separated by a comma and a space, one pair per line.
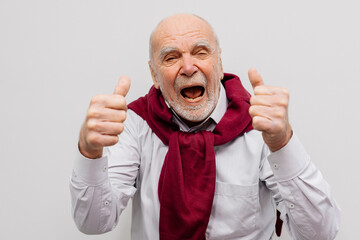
201, 53
170, 58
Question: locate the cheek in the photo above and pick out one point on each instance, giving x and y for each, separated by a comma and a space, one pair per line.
167, 77
167, 86
215, 74
167, 73
212, 69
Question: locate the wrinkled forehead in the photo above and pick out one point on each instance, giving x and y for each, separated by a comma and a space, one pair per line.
182, 29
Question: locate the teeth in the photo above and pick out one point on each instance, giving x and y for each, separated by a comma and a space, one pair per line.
193, 99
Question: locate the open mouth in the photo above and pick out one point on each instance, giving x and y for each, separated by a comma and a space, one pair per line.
193, 93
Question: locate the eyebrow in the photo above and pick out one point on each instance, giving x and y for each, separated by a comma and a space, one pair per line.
167, 49
203, 43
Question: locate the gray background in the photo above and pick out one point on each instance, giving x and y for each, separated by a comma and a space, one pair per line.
55, 55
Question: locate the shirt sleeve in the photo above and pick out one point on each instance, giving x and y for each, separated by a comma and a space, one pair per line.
101, 188
301, 194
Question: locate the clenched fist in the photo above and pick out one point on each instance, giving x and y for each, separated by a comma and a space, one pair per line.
104, 120
269, 112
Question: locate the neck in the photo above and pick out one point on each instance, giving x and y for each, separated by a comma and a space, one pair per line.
190, 123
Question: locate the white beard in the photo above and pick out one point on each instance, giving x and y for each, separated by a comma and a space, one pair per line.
192, 113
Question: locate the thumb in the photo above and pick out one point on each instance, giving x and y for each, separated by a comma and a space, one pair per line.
255, 78
123, 86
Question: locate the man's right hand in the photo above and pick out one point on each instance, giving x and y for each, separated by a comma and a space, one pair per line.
104, 120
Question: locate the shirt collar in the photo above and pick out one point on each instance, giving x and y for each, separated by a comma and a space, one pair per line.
210, 122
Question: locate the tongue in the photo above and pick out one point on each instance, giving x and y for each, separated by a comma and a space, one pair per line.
192, 92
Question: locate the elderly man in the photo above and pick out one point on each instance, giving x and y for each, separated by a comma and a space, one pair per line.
199, 157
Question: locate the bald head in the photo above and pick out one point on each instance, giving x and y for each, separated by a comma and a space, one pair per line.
176, 25
186, 66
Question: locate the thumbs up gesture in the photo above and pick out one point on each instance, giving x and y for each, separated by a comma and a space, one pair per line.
269, 112
104, 120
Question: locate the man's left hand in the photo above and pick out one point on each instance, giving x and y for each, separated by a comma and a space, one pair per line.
269, 112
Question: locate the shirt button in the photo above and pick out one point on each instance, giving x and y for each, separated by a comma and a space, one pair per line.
291, 205
104, 168
106, 203
276, 166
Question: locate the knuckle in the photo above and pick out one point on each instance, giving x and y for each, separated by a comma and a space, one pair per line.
252, 100
91, 125
258, 89
285, 92
117, 129
93, 113
93, 139
95, 99
113, 140
283, 102
110, 140
122, 101
278, 126
121, 128
119, 101
122, 116
251, 110
256, 122
278, 113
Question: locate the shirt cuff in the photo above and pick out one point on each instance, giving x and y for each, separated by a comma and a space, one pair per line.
91, 171
288, 162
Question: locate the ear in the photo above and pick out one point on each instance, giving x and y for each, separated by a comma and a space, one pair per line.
153, 75
221, 65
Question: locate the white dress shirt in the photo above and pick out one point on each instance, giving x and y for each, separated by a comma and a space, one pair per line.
251, 182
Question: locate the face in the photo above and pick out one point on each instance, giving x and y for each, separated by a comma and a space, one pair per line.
186, 66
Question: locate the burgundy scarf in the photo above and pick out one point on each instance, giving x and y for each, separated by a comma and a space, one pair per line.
187, 180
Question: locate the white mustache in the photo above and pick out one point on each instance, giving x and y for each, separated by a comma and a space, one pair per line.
198, 79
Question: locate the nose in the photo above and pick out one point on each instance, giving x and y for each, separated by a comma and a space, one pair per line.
188, 67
